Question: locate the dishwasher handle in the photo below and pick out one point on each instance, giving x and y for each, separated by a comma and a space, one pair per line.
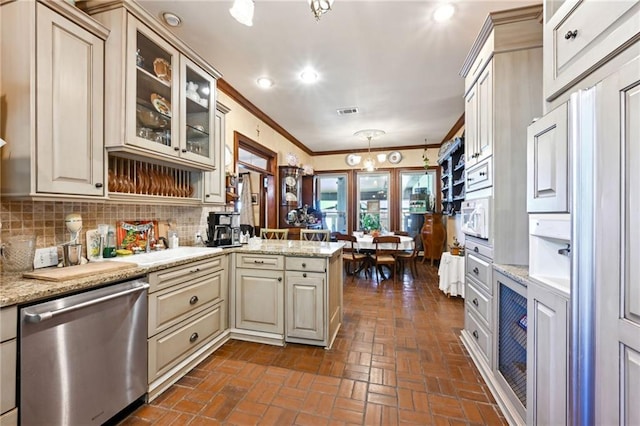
43, 316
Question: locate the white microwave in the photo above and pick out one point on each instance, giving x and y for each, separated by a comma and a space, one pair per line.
476, 217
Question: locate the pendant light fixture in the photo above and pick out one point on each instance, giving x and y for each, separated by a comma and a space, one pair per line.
242, 11
320, 7
369, 163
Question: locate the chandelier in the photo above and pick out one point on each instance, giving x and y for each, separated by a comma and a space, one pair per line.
369, 163
320, 7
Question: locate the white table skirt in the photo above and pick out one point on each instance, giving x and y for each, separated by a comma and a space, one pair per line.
366, 243
451, 272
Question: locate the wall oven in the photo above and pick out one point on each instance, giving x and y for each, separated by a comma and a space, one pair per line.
476, 217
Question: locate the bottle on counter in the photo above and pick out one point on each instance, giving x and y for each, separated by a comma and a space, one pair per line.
172, 236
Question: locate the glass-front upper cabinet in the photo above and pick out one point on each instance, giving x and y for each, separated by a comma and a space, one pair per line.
174, 99
197, 112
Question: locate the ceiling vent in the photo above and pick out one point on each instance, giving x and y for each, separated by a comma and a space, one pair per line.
347, 111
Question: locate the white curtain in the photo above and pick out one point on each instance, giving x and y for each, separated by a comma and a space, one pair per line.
246, 208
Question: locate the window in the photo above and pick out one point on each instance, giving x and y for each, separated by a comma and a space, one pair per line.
373, 201
332, 201
417, 190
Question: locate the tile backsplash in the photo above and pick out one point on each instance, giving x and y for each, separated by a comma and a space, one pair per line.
45, 219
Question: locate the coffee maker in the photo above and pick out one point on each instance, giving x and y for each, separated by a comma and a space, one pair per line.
223, 229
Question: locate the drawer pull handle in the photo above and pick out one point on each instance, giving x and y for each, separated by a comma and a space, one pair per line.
476, 270
483, 174
176, 148
258, 261
195, 270
193, 337
475, 334
470, 179
476, 249
98, 185
304, 275
571, 34
475, 301
184, 150
304, 265
193, 300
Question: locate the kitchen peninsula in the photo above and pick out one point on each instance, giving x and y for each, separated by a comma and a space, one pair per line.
265, 291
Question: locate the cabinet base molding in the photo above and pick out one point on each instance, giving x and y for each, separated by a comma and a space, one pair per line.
257, 337
509, 410
10, 418
176, 373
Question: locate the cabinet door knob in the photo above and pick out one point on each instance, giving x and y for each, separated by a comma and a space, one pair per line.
475, 334
304, 265
279, 278
184, 150
193, 337
207, 196
99, 185
176, 148
193, 300
571, 34
475, 301
304, 275
476, 270
476, 249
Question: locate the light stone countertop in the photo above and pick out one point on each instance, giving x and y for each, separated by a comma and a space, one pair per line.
14, 289
518, 273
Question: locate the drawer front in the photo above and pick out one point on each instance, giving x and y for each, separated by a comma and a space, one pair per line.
478, 302
306, 264
172, 346
479, 334
8, 375
478, 249
179, 274
583, 35
8, 323
259, 261
480, 271
480, 176
172, 305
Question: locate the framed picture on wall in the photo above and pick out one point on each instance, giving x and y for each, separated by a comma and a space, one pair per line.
254, 198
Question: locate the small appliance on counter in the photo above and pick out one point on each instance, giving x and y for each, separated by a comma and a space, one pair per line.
223, 229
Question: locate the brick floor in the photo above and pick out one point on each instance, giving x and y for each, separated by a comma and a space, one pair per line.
396, 360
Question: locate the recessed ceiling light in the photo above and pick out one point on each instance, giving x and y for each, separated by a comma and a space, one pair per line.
171, 19
444, 12
265, 82
309, 76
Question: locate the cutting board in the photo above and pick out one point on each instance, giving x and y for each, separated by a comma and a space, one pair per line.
78, 271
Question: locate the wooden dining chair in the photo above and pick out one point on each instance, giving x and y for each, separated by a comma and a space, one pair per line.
409, 256
351, 256
274, 234
315, 235
401, 233
386, 249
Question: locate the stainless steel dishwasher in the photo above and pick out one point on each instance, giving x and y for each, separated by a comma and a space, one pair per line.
83, 358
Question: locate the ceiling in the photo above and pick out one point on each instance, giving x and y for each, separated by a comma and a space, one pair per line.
388, 58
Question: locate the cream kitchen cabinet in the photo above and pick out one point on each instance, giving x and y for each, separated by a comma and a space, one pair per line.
547, 355
259, 294
188, 307
581, 36
305, 283
8, 365
160, 95
548, 163
214, 182
52, 90
479, 116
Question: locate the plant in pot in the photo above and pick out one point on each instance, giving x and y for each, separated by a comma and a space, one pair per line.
370, 222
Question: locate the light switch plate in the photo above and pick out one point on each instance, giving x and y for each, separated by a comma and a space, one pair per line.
46, 257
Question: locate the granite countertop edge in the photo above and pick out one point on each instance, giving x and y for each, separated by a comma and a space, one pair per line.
518, 273
16, 290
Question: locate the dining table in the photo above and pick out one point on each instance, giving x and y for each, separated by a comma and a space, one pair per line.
365, 242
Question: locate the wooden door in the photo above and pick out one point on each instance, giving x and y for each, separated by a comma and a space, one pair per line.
69, 107
617, 247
